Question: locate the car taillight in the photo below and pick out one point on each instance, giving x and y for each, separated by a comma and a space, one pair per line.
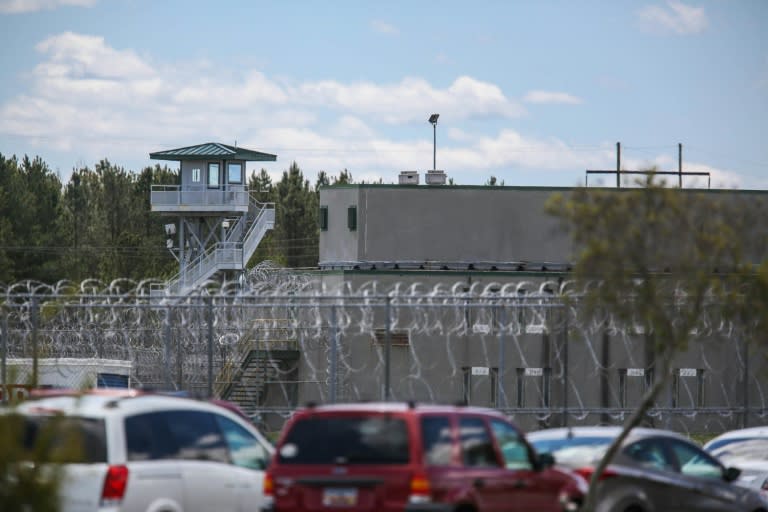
420, 489
587, 471
114, 485
269, 485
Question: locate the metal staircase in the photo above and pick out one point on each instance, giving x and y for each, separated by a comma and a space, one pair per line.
263, 371
232, 254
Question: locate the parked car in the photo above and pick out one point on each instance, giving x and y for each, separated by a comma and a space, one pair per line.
739, 436
148, 452
388, 457
746, 449
654, 470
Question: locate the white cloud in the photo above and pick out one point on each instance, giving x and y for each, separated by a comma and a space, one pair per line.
383, 27
552, 97
21, 6
408, 100
675, 17
86, 57
94, 101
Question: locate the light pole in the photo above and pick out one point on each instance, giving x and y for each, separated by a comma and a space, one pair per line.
433, 120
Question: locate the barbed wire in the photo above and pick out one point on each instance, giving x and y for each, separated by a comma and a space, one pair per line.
277, 338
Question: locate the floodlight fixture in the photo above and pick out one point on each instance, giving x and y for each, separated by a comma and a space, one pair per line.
433, 120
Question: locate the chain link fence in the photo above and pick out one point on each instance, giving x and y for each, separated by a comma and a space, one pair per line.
280, 340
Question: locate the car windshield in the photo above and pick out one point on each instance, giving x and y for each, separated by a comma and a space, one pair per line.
376, 439
572, 450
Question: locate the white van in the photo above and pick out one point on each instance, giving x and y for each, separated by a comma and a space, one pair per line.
155, 453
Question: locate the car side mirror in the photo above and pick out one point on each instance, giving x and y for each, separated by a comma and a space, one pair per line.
731, 474
545, 460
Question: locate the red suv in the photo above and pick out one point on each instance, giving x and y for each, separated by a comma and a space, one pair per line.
407, 457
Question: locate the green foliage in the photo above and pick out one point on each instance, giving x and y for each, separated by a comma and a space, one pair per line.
344, 178
100, 225
31, 472
658, 258
29, 213
112, 231
296, 219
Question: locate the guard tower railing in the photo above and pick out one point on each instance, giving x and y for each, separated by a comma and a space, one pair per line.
175, 198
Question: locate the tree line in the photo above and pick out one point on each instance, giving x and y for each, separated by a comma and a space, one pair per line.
99, 224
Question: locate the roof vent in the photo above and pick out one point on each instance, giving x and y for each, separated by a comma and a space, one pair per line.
409, 178
435, 177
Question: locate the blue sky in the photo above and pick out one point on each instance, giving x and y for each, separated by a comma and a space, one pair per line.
531, 92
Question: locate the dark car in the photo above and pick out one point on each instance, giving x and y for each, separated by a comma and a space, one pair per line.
406, 457
654, 470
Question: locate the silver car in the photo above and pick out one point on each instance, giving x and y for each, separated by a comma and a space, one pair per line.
654, 471
747, 450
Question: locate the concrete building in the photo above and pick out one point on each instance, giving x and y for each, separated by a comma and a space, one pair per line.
476, 240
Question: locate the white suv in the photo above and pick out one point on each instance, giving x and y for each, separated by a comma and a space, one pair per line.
156, 453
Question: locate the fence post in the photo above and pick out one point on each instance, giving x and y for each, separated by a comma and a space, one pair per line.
565, 369
387, 351
501, 319
6, 335
167, 350
745, 382
179, 365
334, 354
209, 316
35, 317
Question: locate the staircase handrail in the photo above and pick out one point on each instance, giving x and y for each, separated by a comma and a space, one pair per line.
261, 222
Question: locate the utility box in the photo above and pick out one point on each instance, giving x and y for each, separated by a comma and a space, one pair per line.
409, 178
435, 177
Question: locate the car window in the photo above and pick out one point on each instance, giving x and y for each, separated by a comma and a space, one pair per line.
75, 439
694, 461
437, 441
191, 435
651, 454
512, 446
476, 444
148, 438
197, 435
373, 439
244, 448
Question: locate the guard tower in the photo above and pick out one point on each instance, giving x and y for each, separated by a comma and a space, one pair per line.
217, 223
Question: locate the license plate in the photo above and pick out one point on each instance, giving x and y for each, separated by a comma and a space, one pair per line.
335, 497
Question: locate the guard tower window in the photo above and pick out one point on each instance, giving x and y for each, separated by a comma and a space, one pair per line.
196, 175
323, 218
352, 218
213, 175
235, 173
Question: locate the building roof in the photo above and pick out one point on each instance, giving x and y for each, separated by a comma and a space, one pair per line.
214, 150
